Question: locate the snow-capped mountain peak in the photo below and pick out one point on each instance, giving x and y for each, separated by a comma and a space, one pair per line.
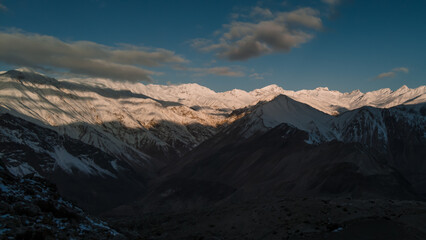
322, 89
403, 88
29, 75
152, 120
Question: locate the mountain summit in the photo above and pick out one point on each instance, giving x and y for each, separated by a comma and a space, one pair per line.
125, 149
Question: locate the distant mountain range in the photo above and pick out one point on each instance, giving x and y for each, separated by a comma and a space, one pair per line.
287, 148
107, 144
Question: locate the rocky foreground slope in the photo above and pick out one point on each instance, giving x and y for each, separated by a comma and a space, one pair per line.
95, 180
31, 208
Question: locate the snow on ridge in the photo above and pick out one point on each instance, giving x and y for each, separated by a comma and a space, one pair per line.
21, 170
322, 98
146, 103
135, 99
322, 127
284, 109
68, 162
129, 110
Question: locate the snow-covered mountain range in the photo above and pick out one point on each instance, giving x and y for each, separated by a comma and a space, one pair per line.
288, 148
157, 120
82, 173
133, 134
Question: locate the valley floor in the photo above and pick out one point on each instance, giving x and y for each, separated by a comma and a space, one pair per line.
286, 219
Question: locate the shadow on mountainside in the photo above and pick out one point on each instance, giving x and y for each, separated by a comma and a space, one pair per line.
281, 162
35, 78
164, 140
94, 193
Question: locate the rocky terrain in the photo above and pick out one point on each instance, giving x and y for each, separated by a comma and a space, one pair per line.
133, 121
285, 218
31, 208
185, 162
83, 173
364, 153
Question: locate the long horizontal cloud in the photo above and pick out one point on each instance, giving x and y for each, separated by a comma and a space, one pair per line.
219, 71
83, 57
244, 40
392, 73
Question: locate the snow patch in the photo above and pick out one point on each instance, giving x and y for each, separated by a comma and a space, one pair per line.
68, 162
21, 170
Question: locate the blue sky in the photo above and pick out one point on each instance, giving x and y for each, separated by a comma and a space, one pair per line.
222, 44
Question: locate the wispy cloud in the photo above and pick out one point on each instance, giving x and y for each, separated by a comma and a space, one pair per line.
242, 40
261, 12
332, 2
3, 7
333, 7
200, 43
259, 76
218, 71
120, 63
256, 76
386, 75
401, 69
392, 73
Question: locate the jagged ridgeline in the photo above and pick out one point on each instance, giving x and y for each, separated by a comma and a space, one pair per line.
114, 146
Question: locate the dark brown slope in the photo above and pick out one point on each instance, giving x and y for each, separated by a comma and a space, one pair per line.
106, 183
270, 164
31, 208
286, 218
279, 161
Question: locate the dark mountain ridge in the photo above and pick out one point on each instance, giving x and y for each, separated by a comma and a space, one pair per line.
262, 153
377, 153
